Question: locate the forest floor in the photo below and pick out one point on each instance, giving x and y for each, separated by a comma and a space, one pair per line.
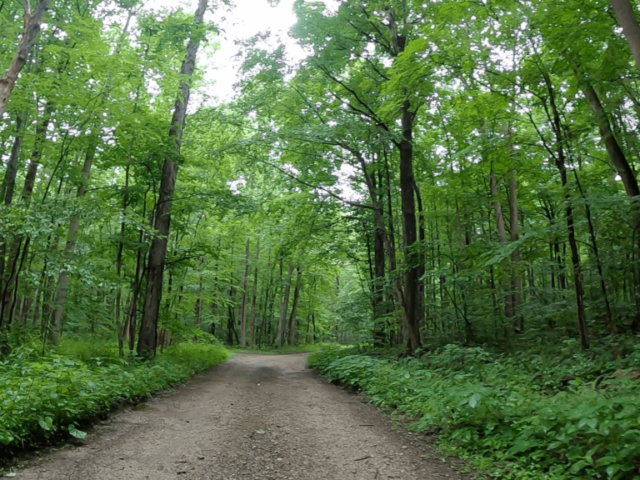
254, 417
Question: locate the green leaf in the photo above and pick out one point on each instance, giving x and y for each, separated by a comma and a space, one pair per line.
77, 433
579, 465
612, 470
46, 423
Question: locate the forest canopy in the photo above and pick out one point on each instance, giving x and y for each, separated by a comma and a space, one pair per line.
451, 181
429, 173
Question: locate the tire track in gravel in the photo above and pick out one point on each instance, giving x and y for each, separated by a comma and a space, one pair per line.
208, 429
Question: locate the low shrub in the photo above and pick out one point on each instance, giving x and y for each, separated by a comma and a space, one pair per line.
520, 412
42, 396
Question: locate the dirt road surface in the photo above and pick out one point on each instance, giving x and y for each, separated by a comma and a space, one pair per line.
256, 417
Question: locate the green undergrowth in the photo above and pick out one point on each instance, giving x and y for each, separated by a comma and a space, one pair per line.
558, 413
286, 350
45, 396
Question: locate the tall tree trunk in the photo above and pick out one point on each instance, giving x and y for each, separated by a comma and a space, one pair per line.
379, 309
230, 317
502, 236
516, 280
254, 296
8, 184
200, 300
157, 255
421, 251
412, 280
573, 245
293, 323
629, 23
72, 237
9, 181
609, 320
387, 238
12, 272
243, 307
32, 23
614, 150
284, 306
620, 162
575, 259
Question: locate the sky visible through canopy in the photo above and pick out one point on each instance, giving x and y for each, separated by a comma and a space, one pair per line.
243, 20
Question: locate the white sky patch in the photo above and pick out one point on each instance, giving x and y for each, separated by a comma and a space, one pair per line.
245, 20
235, 185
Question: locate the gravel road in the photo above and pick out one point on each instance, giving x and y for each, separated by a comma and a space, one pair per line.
255, 417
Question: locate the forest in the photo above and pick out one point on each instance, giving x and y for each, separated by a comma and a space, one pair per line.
448, 189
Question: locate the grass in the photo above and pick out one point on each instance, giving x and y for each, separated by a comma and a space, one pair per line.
555, 413
45, 396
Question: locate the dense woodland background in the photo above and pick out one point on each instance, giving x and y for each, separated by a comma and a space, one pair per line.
436, 172
450, 186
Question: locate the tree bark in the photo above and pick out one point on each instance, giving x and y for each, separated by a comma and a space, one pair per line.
12, 271
243, 307
293, 325
629, 180
284, 306
502, 235
230, 319
379, 310
32, 23
412, 279
72, 237
8, 185
629, 23
148, 328
254, 296
9, 182
573, 245
516, 280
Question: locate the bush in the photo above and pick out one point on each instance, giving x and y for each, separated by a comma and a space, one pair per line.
44, 396
522, 411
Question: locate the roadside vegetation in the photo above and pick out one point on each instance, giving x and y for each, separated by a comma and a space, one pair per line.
50, 396
548, 412
425, 173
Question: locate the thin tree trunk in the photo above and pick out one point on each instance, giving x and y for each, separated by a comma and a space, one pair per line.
157, 255
516, 280
293, 324
9, 181
609, 320
8, 184
575, 254
72, 237
230, 319
32, 23
502, 236
421, 252
379, 308
199, 300
12, 272
254, 295
243, 307
284, 306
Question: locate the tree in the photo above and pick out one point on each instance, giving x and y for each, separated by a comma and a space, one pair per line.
147, 340
32, 23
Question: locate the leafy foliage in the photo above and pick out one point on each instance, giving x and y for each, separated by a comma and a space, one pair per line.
43, 396
535, 415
